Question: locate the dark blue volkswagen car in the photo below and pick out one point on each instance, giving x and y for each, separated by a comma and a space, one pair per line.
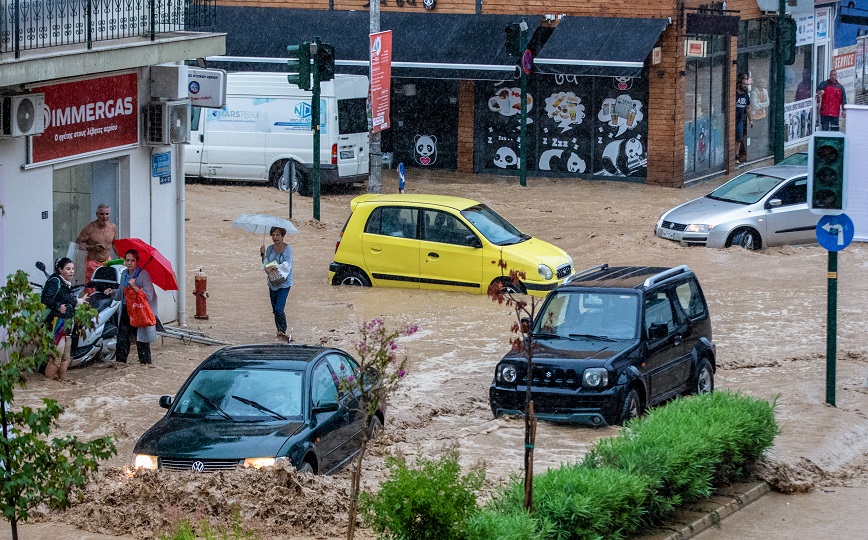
257, 405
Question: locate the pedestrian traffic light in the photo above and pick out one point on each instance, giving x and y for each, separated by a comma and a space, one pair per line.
513, 39
788, 40
299, 65
826, 176
326, 61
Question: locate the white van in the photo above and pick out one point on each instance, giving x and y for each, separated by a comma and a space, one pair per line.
266, 124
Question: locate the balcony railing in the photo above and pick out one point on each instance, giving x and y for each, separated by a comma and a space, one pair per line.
38, 24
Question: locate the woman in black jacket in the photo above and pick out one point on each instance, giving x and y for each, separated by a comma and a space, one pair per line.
57, 296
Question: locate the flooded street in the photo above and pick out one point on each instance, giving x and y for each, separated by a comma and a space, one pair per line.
768, 313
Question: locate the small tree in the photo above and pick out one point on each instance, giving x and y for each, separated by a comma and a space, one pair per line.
380, 371
504, 292
34, 468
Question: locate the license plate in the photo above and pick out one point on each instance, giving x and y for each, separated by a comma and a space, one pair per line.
666, 233
347, 154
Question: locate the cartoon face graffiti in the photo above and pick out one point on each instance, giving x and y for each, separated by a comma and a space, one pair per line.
622, 158
425, 149
622, 83
505, 158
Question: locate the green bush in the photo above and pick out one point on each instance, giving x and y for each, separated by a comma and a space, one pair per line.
432, 501
493, 524
186, 531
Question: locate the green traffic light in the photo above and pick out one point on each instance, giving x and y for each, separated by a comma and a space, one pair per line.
299, 65
827, 183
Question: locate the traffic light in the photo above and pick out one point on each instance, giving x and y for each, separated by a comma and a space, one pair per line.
826, 175
513, 39
788, 40
326, 61
299, 65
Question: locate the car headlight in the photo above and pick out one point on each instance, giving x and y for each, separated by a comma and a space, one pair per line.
545, 272
507, 373
144, 461
660, 222
259, 462
698, 227
595, 378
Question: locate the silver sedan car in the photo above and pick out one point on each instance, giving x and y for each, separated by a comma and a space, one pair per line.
757, 209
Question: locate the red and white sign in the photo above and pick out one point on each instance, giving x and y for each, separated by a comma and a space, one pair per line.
694, 47
381, 79
88, 116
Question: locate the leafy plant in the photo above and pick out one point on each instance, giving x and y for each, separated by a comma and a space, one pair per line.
187, 531
504, 292
379, 373
35, 468
430, 502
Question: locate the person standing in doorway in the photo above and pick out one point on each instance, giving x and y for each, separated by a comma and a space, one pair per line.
832, 97
277, 263
96, 238
742, 102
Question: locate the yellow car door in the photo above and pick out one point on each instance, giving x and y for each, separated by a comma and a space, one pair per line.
390, 245
450, 254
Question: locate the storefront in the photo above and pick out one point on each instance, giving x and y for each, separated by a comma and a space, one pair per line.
756, 45
705, 105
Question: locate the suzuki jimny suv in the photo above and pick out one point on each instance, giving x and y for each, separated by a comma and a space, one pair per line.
608, 343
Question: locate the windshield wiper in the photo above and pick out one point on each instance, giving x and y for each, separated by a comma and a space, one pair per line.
592, 336
213, 405
262, 408
549, 335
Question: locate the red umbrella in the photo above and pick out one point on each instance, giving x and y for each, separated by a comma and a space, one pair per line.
151, 260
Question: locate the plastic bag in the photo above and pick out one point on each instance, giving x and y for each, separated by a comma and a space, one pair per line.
138, 308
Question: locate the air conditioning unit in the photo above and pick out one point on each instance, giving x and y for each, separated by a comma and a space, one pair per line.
22, 115
167, 122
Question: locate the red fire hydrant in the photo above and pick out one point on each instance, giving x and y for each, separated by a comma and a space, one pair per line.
201, 294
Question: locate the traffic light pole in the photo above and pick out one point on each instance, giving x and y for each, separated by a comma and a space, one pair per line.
314, 124
522, 144
780, 76
831, 326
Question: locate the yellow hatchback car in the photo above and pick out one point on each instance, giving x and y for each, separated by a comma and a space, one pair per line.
440, 242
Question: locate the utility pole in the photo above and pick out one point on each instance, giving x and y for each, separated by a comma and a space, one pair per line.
375, 151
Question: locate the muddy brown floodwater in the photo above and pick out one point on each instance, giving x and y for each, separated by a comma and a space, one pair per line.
768, 313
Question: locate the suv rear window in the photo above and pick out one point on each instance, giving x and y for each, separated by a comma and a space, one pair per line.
352, 116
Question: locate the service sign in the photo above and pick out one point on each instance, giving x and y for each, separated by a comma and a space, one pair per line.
83, 117
206, 87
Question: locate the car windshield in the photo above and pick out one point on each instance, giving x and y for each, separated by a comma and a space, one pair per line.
799, 158
492, 226
747, 188
242, 395
595, 315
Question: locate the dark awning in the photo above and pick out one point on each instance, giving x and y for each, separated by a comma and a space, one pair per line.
604, 46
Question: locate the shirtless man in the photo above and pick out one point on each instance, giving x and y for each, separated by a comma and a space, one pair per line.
96, 237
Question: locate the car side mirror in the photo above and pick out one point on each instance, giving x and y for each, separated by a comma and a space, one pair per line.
775, 202
526, 325
165, 401
658, 331
324, 408
472, 241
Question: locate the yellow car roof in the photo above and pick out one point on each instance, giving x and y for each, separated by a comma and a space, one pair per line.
457, 203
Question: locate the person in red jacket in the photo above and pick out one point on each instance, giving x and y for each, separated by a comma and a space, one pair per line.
832, 99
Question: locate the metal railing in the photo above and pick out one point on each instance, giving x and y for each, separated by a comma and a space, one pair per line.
37, 24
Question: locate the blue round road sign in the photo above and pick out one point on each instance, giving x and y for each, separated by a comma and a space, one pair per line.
527, 62
835, 233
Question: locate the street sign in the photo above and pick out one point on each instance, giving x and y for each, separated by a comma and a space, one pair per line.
835, 233
527, 62
401, 177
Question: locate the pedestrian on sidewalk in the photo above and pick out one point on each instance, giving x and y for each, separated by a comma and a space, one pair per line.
832, 97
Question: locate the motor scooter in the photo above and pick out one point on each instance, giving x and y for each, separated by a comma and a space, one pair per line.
99, 342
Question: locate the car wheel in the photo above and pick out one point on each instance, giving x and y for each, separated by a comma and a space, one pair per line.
302, 183
374, 428
509, 287
306, 468
704, 382
748, 239
354, 278
276, 177
631, 407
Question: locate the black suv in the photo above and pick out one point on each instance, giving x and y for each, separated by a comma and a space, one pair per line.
609, 342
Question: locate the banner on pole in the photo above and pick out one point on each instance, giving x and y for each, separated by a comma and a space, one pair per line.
381, 79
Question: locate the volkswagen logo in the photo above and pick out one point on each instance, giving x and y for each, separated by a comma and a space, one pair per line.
671, 225
197, 466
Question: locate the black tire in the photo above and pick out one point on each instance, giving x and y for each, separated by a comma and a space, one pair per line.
748, 239
306, 468
352, 277
510, 287
703, 382
275, 175
631, 407
374, 428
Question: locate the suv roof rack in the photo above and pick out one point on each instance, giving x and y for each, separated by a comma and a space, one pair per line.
666, 274
586, 271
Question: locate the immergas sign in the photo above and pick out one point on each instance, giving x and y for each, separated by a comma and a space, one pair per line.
87, 116
206, 87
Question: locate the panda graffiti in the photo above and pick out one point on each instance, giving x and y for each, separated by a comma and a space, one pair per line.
425, 149
622, 158
506, 158
552, 160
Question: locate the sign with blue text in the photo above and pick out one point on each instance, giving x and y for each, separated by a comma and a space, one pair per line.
161, 164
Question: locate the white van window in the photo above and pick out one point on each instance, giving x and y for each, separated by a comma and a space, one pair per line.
352, 116
195, 115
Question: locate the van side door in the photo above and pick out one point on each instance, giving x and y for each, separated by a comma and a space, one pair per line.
352, 137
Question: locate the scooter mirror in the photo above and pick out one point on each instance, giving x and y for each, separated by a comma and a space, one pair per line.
40, 265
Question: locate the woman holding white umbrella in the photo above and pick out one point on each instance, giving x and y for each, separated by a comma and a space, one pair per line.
277, 264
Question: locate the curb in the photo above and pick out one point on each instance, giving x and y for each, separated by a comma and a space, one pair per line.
692, 519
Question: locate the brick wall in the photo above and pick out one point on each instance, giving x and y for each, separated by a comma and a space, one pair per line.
465, 126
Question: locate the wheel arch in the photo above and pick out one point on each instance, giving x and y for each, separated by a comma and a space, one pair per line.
737, 231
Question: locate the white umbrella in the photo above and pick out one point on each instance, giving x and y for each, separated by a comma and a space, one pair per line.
262, 223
